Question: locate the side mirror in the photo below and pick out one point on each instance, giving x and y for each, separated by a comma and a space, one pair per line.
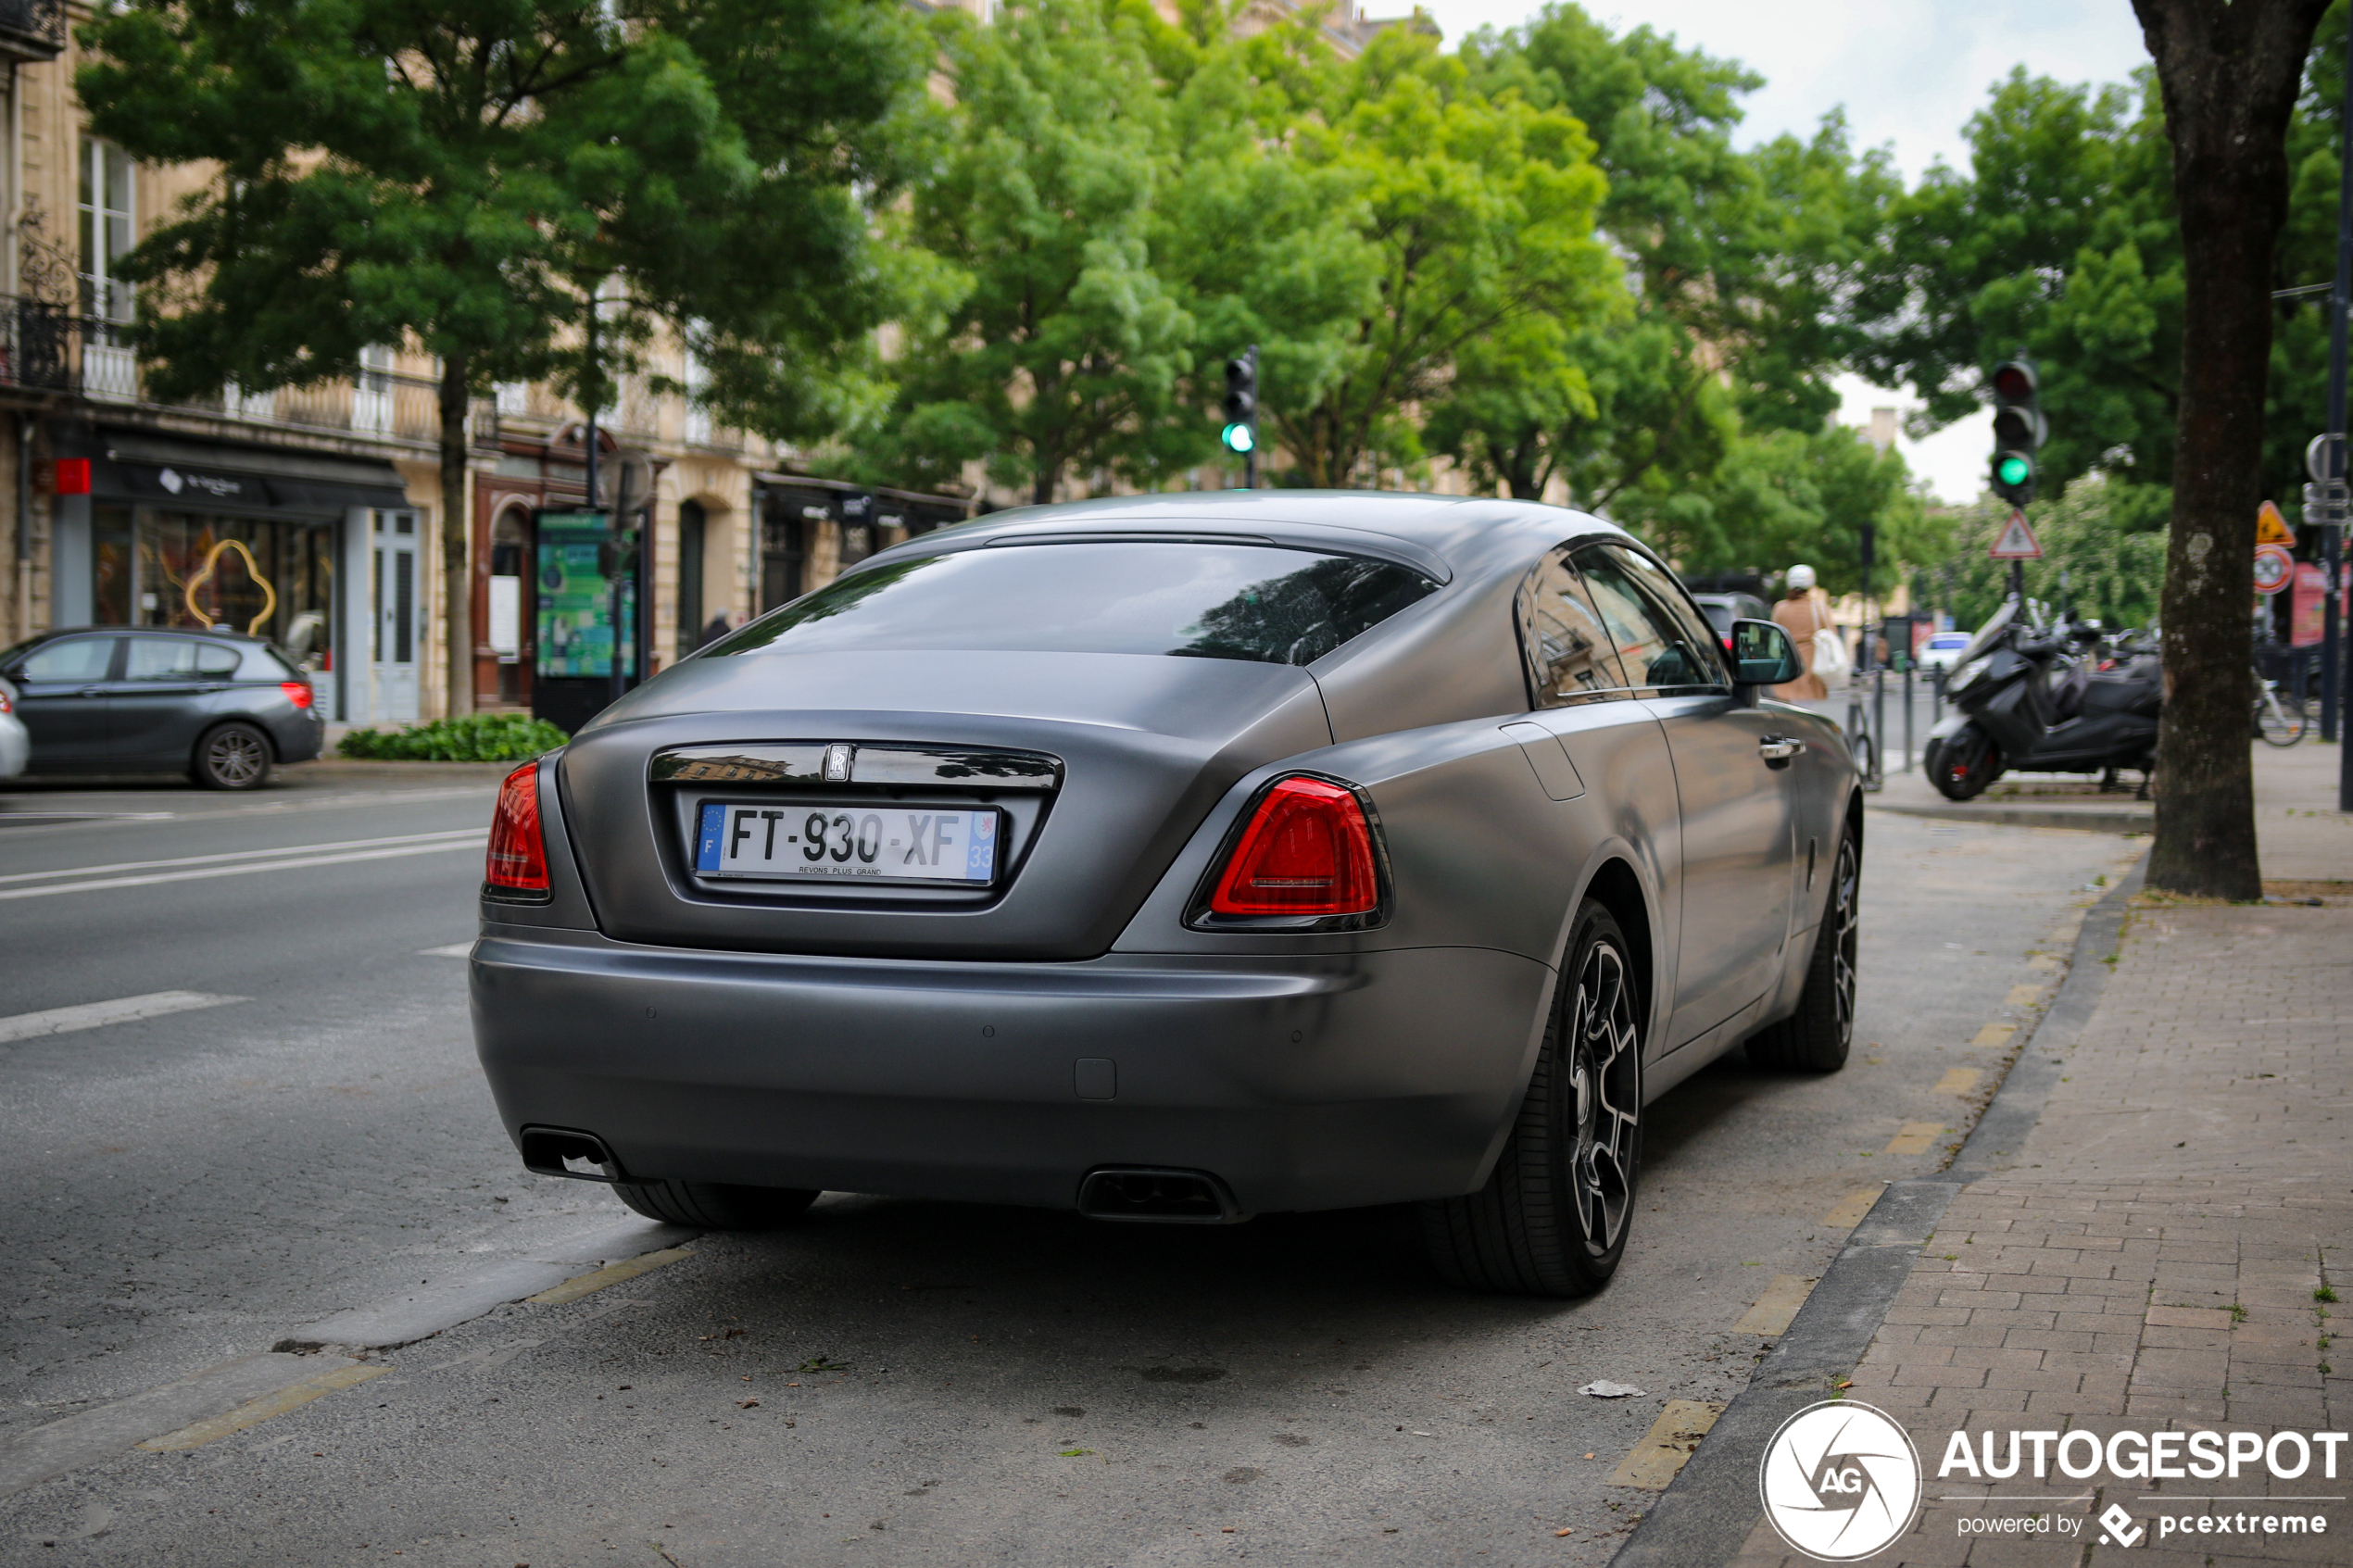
1763, 655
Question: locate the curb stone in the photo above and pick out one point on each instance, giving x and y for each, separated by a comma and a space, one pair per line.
1706, 1514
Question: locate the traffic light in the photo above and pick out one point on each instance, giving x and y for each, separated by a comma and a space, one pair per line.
1240, 435
2018, 429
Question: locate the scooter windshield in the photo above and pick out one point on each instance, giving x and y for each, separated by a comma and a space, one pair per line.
1987, 635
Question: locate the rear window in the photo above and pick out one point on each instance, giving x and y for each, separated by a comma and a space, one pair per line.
1183, 598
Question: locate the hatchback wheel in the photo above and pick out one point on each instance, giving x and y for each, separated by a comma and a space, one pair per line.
235, 756
1552, 1219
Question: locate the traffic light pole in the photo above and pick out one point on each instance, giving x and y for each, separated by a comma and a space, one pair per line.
1249, 461
2333, 534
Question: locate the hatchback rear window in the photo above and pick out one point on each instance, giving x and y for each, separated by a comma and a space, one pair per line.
1182, 598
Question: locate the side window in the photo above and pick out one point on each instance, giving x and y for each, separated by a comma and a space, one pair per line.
76, 658
160, 658
1656, 650
218, 658
1567, 647
1672, 597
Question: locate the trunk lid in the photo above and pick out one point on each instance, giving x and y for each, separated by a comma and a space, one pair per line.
1101, 766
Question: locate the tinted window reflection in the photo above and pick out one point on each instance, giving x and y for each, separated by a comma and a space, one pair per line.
1183, 598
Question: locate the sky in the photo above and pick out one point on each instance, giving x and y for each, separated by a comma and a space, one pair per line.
1909, 73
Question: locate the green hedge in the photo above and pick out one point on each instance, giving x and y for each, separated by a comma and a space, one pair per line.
476, 737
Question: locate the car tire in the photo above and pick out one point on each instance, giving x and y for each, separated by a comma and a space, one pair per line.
234, 756
1816, 1037
1553, 1216
715, 1206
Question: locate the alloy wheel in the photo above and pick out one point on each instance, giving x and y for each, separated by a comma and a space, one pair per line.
236, 758
1845, 935
1605, 1079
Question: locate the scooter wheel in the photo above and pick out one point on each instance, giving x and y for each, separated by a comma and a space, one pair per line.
1964, 766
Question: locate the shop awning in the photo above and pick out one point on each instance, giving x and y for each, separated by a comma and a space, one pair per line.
140, 465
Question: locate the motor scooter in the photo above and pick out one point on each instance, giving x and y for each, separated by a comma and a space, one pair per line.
2030, 703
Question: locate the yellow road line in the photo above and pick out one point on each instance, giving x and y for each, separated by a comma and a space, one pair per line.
611, 1273
1995, 1034
1959, 1080
1777, 1306
1852, 1207
253, 1412
1915, 1138
1667, 1445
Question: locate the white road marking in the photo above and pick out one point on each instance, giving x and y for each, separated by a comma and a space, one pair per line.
93, 1015
470, 841
455, 950
228, 856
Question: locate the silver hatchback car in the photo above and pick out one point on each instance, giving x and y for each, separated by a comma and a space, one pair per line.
1177, 859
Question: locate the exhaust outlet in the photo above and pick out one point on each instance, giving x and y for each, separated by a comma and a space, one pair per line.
560, 1151
1158, 1197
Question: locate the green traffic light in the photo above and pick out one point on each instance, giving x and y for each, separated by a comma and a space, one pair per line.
2014, 470
1238, 438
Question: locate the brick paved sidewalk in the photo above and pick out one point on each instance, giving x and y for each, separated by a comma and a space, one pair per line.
2150, 1259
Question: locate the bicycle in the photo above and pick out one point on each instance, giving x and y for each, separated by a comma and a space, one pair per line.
2279, 720
1862, 737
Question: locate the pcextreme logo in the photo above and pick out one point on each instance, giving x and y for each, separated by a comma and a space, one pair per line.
1841, 1480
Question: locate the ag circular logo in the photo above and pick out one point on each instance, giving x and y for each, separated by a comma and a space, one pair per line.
1839, 1481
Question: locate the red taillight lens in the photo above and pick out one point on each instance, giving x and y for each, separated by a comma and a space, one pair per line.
518, 859
4, 700
298, 692
1308, 851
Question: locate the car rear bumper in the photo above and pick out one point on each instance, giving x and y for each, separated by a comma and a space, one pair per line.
1300, 1082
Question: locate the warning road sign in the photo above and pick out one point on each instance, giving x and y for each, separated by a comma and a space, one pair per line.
2018, 541
2270, 528
2274, 569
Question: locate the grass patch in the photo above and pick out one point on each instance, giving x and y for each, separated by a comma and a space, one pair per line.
472, 738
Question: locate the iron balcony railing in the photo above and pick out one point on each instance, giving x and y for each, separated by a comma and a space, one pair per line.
33, 30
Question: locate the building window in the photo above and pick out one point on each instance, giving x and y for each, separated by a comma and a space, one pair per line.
371, 392
103, 204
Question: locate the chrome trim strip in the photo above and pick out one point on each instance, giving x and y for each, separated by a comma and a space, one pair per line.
806, 762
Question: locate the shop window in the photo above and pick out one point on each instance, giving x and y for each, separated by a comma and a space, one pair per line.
110, 567
692, 523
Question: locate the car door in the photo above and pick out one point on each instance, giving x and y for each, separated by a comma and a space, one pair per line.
166, 696
61, 696
1731, 784
1585, 710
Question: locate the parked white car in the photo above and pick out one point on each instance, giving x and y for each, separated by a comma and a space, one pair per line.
15, 745
1941, 648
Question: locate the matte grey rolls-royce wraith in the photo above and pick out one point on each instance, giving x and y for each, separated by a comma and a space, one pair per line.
1180, 857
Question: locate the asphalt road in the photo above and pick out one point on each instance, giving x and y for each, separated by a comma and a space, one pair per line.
892, 1382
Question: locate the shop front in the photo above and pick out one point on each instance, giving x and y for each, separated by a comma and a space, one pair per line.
320, 554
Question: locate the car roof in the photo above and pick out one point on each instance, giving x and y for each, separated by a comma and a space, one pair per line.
147, 632
1439, 533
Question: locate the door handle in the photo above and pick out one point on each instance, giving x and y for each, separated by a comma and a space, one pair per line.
1778, 748
92, 691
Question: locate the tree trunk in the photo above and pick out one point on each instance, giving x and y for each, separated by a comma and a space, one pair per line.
457, 530
2229, 72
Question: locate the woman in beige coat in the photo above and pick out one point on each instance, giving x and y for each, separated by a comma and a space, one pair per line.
1796, 615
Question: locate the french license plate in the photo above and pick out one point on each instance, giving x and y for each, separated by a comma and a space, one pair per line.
841, 841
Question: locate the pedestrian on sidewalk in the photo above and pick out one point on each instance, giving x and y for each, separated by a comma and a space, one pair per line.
1799, 616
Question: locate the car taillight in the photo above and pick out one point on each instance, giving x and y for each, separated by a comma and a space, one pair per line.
4, 702
1308, 851
518, 859
298, 692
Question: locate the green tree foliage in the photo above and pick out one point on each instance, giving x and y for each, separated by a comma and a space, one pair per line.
2096, 560
1738, 264
2061, 238
468, 179
1062, 352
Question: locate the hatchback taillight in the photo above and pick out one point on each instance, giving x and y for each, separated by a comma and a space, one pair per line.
3, 699
518, 859
1308, 851
298, 692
